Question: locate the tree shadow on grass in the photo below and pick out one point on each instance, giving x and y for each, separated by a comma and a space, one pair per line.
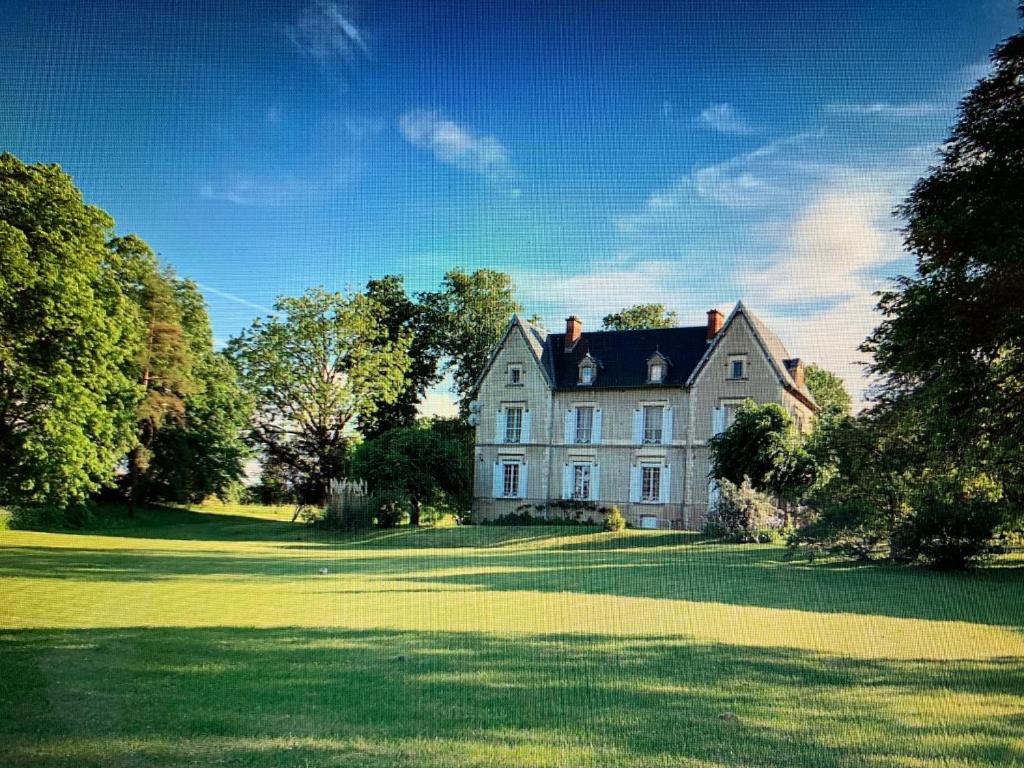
293, 697
737, 575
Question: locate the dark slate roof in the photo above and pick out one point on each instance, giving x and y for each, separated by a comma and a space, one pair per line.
623, 355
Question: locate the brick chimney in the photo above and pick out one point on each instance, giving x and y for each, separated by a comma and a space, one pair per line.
795, 366
573, 331
715, 320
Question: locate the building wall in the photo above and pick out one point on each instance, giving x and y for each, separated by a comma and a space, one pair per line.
495, 392
547, 452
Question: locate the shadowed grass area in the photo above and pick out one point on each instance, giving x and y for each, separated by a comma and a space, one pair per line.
222, 643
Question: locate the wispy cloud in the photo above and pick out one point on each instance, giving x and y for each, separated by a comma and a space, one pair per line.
884, 109
805, 235
326, 31
253, 192
235, 298
725, 118
457, 145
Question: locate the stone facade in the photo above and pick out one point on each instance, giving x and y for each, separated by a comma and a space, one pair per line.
653, 469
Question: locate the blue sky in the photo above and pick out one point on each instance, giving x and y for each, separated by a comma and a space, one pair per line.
604, 153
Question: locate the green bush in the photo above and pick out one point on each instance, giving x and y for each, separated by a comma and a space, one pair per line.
42, 517
950, 534
614, 521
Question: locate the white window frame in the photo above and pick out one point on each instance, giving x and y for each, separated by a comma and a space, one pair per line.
584, 435
654, 486
657, 365
514, 430
726, 405
653, 436
511, 477
742, 360
582, 481
585, 372
515, 375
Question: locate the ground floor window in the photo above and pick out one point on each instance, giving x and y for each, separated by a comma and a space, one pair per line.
510, 486
648, 521
650, 486
581, 482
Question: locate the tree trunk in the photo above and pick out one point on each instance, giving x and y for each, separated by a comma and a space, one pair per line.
414, 515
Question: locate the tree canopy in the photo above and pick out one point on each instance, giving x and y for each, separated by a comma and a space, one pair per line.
764, 446
401, 317
638, 317
422, 464
952, 338
312, 368
469, 314
68, 337
829, 393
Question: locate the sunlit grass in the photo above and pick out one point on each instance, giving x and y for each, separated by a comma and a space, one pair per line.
211, 637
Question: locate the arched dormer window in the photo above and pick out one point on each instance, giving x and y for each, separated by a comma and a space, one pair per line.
657, 368
587, 371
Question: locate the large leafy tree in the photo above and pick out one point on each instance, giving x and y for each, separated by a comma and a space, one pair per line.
952, 340
323, 360
421, 464
764, 446
163, 364
68, 336
400, 316
638, 317
469, 313
201, 454
829, 393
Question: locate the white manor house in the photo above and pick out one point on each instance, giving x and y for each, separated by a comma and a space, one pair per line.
621, 418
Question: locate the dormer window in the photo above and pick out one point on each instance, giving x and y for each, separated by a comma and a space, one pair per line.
588, 370
657, 368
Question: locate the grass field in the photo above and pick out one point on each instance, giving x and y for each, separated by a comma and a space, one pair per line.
210, 638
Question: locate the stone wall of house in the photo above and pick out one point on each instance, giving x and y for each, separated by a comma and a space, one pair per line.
547, 453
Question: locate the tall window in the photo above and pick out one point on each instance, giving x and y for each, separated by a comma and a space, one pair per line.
515, 375
652, 423
650, 488
586, 374
513, 425
581, 482
731, 409
584, 424
657, 371
510, 486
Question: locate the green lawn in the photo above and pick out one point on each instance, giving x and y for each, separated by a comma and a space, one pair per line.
210, 638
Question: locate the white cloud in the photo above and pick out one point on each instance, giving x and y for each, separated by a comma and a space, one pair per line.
818, 285
884, 109
724, 118
457, 145
803, 234
327, 30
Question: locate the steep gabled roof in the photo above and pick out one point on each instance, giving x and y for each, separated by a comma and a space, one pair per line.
774, 349
536, 340
623, 356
